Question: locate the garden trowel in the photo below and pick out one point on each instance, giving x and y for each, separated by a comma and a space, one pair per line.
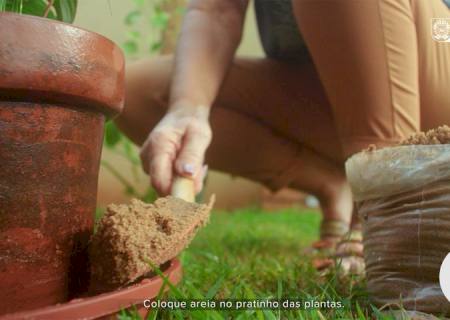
131, 240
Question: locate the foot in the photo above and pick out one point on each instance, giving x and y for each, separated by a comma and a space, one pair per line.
337, 205
336, 201
331, 234
349, 254
346, 256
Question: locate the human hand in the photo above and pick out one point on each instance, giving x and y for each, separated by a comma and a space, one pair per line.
177, 146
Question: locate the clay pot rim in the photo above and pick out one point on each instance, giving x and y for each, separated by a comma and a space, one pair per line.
48, 20
53, 62
106, 303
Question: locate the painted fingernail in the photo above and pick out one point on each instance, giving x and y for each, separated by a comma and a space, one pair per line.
189, 168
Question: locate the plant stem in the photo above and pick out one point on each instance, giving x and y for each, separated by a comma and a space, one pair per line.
119, 176
125, 156
49, 6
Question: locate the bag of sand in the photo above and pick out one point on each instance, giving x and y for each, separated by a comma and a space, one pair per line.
402, 196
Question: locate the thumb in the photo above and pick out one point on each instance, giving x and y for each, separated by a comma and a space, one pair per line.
192, 153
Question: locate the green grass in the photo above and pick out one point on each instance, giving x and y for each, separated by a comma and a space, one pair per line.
248, 254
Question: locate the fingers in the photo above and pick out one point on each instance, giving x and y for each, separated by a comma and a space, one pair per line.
176, 148
161, 173
200, 178
157, 155
190, 159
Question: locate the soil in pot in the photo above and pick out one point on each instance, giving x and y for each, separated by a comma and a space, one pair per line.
403, 199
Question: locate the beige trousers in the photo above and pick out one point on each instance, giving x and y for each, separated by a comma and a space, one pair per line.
384, 74
380, 76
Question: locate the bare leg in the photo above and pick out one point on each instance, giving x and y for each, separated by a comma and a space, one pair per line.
259, 132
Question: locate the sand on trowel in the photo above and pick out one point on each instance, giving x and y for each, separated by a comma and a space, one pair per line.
131, 238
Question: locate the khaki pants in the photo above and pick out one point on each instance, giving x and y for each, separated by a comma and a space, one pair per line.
380, 77
384, 74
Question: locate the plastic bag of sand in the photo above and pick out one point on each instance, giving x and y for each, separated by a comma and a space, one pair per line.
403, 199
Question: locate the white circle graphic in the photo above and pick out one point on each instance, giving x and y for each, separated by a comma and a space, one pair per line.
444, 277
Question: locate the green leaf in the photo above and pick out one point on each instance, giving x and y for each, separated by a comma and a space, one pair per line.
360, 312
130, 151
155, 47
129, 315
269, 315
130, 47
149, 196
112, 135
160, 19
250, 294
215, 288
135, 35
66, 10
129, 190
139, 3
279, 289
18, 5
133, 17
154, 312
62, 10
34, 8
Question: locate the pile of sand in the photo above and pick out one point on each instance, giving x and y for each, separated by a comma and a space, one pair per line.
440, 135
130, 236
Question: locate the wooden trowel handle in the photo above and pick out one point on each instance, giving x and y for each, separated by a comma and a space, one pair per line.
183, 188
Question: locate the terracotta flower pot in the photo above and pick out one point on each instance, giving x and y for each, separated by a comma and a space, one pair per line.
107, 305
57, 85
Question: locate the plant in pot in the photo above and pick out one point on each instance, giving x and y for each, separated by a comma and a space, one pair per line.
58, 85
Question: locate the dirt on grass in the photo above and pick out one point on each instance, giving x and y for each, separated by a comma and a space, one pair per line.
131, 238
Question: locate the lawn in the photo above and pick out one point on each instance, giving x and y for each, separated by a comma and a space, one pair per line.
249, 254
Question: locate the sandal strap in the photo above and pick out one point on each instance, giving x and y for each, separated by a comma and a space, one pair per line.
324, 244
333, 228
353, 236
351, 241
349, 252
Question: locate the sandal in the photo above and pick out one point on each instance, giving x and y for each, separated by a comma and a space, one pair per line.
331, 233
349, 254
338, 249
